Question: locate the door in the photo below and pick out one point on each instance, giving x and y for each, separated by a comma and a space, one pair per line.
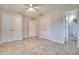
11, 28
32, 28
45, 28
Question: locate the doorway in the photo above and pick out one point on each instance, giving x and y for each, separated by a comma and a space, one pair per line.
34, 28
71, 27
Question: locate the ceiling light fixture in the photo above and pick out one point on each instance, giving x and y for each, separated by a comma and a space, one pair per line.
30, 5
30, 9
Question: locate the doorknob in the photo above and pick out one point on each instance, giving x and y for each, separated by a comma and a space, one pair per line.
44, 29
11, 29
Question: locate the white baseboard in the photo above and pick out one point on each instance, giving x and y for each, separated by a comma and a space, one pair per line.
11, 40
29, 37
62, 42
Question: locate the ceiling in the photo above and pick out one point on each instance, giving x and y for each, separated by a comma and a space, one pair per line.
42, 8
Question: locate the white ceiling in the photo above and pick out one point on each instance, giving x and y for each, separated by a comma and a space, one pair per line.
42, 8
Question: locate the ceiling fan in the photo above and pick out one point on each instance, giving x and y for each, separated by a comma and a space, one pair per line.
30, 7
32, 10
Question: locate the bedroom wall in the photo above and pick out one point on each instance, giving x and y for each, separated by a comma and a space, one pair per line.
0, 28
25, 26
52, 26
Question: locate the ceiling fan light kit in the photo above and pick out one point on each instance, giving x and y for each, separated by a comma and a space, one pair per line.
31, 11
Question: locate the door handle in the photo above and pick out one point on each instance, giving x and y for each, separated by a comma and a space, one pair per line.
44, 29
11, 29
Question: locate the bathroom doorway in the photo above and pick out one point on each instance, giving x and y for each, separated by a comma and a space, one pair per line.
71, 27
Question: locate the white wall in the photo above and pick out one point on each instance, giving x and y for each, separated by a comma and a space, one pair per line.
45, 27
0, 27
52, 26
57, 24
25, 25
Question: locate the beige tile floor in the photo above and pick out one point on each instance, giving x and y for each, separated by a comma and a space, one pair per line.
34, 46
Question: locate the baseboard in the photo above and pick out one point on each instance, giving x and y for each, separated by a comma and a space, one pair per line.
62, 42
30, 37
11, 40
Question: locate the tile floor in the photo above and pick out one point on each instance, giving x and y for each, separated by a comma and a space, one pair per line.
34, 46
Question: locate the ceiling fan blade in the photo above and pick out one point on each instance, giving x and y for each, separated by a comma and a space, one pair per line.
36, 7
25, 6
30, 5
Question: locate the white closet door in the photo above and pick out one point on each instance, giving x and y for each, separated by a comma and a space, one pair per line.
18, 27
11, 28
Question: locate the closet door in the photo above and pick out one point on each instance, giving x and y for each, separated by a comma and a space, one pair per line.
11, 28
17, 27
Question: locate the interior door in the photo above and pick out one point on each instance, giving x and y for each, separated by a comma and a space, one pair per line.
32, 28
7, 28
11, 27
18, 27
